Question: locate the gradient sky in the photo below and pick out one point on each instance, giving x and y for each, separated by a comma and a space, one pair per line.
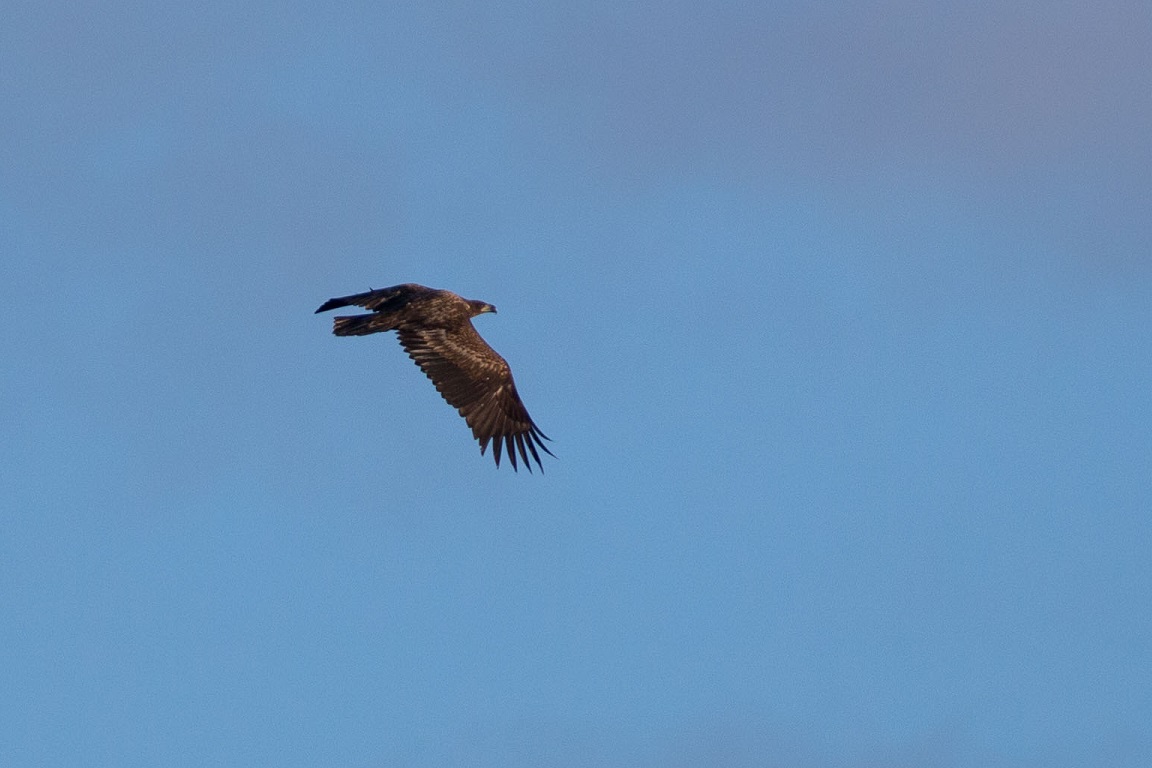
839, 315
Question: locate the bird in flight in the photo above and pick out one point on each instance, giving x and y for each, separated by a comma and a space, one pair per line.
435, 329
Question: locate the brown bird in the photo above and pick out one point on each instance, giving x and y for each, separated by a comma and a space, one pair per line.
435, 329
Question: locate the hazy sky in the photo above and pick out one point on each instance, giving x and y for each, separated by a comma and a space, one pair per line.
840, 318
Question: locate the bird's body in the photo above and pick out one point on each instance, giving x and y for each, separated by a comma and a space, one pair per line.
435, 329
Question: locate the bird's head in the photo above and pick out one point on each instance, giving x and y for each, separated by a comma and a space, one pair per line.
480, 307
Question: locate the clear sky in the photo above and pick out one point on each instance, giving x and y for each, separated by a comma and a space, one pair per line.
839, 315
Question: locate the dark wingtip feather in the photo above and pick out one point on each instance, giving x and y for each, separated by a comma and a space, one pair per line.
537, 437
523, 451
355, 325
497, 446
331, 304
535, 455
519, 448
509, 441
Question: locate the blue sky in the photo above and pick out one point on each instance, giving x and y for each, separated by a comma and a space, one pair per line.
839, 317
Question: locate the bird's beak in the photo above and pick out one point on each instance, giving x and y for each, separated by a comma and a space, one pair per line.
490, 308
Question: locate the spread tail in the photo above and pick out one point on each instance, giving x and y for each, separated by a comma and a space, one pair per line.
360, 325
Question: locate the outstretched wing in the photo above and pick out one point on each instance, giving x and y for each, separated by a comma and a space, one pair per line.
477, 382
379, 300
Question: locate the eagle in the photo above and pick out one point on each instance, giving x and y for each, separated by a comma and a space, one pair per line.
435, 329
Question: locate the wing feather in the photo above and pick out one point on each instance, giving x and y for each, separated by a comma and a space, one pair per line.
379, 300
475, 380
